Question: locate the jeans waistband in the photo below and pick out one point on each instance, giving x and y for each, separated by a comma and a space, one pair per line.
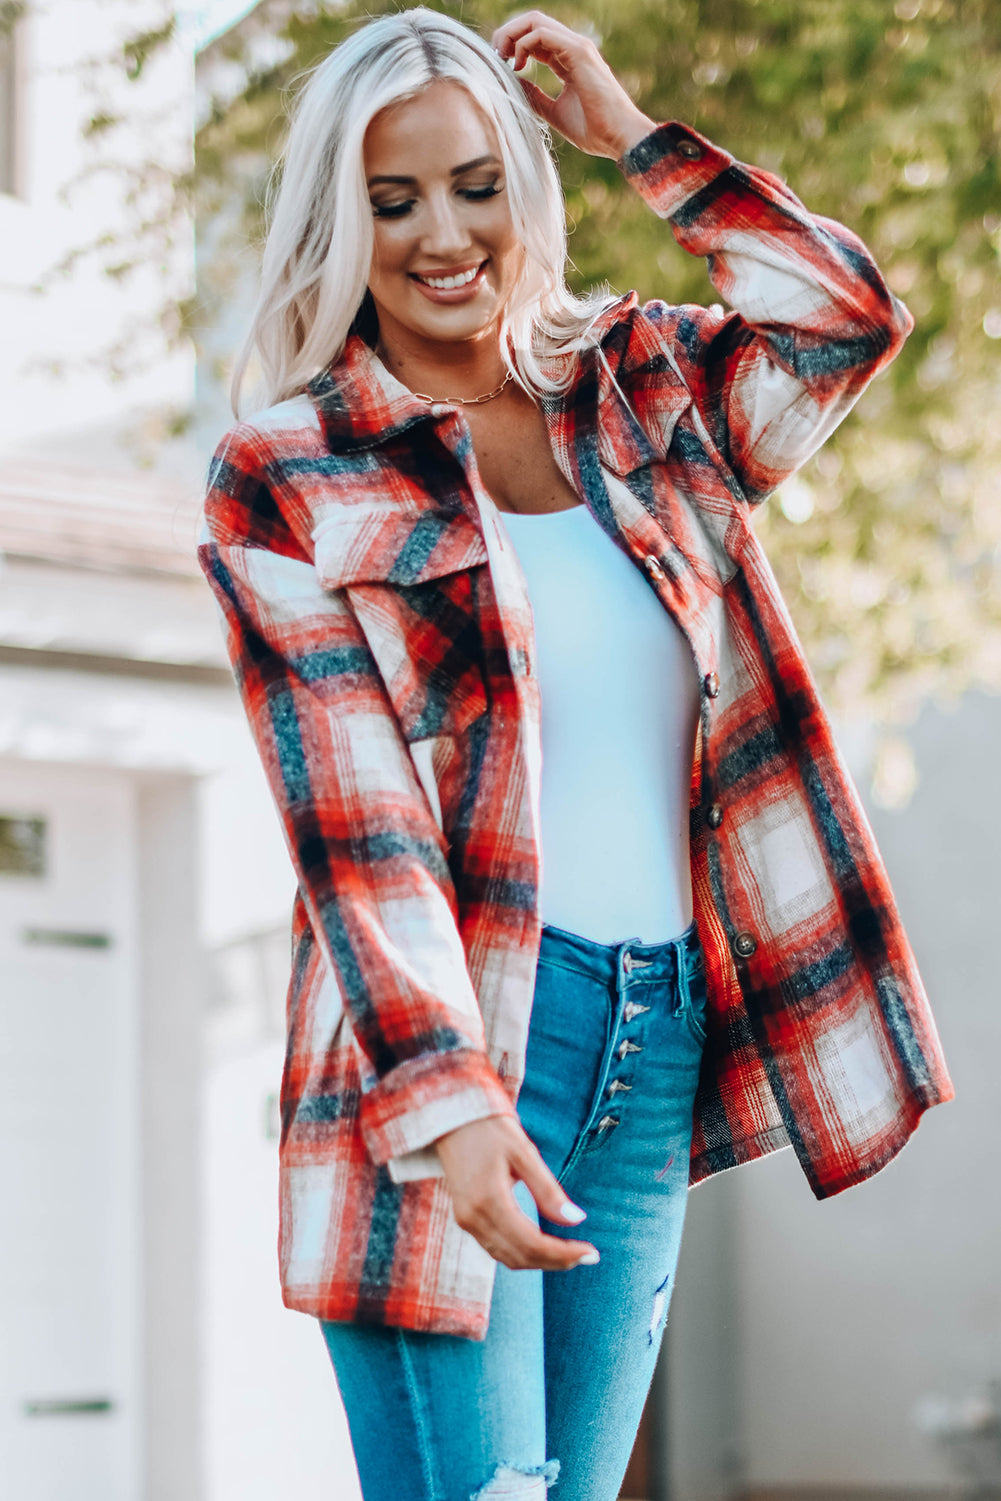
626, 963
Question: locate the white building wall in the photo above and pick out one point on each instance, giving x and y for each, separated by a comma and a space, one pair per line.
272, 1410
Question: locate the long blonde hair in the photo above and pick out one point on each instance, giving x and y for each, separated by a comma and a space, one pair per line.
319, 246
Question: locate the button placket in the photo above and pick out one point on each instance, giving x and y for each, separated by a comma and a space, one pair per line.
624, 1049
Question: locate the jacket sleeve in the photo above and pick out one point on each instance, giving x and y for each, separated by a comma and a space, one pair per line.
812, 322
368, 853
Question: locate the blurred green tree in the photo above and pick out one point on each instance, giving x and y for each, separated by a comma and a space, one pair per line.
885, 116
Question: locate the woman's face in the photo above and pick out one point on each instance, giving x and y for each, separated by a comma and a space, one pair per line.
438, 192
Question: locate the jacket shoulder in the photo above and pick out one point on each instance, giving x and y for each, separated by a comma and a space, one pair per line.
253, 494
285, 429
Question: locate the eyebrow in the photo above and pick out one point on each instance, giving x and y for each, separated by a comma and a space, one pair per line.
478, 161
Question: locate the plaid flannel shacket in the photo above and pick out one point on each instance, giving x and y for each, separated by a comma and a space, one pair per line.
381, 638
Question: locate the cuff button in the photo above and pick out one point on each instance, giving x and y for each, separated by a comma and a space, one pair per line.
690, 149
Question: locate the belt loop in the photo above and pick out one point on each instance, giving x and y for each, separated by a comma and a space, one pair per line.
681, 963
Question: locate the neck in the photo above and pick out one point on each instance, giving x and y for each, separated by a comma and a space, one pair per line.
462, 368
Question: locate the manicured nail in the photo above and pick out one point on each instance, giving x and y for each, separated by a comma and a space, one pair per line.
572, 1213
589, 1258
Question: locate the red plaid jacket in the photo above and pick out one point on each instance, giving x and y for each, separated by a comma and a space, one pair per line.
382, 642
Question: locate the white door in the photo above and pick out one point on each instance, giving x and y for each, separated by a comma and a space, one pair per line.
69, 1290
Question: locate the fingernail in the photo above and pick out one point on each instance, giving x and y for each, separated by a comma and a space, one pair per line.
589, 1258
572, 1213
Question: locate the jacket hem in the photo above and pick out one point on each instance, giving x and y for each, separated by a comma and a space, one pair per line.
468, 1321
823, 1186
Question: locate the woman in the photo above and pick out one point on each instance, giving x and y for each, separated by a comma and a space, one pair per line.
480, 519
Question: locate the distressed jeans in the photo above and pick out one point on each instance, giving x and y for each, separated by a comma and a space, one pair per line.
554, 1394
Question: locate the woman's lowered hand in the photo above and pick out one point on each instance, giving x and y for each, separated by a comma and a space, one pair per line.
592, 110
483, 1160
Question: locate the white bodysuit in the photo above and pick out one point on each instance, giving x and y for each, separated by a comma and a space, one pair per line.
620, 701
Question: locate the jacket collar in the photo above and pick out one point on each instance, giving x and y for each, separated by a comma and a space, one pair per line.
359, 402
361, 405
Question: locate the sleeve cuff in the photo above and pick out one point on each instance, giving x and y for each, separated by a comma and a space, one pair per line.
423, 1099
671, 164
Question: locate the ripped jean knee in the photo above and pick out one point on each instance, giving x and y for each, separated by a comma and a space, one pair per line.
511, 1483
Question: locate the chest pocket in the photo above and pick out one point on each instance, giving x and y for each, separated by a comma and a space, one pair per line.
413, 580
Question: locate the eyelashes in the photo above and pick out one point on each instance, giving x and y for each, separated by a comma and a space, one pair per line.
398, 210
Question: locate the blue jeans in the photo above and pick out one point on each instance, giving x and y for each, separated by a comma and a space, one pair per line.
558, 1385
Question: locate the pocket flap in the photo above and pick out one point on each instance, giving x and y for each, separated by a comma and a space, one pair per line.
384, 544
624, 445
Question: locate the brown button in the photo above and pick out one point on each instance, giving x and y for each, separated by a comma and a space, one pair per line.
690, 149
714, 816
711, 684
744, 945
653, 566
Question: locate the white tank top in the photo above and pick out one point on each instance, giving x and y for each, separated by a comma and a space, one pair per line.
620, 703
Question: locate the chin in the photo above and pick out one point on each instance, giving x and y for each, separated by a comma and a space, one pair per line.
451, 331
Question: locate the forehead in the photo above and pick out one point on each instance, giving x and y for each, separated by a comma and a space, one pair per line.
434, 131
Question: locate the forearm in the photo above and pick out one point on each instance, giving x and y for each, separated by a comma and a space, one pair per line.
773, 261
368, 855
813, 318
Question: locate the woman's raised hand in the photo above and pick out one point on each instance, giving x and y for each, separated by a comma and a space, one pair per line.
592, 110
482, 1163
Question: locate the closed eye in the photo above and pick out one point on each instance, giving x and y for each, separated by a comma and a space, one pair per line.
397, 210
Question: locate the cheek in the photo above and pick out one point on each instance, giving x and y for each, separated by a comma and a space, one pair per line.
507, 243
513, 259
388, 251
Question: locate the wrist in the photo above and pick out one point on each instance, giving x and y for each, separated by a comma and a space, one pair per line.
633, 129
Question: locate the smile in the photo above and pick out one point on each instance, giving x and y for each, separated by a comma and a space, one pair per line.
449, 283
457, 287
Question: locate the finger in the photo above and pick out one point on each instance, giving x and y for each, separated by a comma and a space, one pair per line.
537, 35
545, 1188
543, 103
512, 1238
546, 48
506, 35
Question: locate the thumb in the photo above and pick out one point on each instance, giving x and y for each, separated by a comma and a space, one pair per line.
545, 1189
540, 101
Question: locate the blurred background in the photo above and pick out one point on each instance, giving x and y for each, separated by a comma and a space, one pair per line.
843, 1351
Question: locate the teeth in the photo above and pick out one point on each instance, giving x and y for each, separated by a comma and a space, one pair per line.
445, 283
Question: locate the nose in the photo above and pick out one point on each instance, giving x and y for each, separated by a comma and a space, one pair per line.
445, 236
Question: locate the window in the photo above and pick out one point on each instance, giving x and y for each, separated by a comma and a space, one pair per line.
22, 846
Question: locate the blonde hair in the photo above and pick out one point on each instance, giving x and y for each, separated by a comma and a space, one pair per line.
319, 246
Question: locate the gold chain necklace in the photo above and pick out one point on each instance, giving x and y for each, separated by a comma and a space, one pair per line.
465, 401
